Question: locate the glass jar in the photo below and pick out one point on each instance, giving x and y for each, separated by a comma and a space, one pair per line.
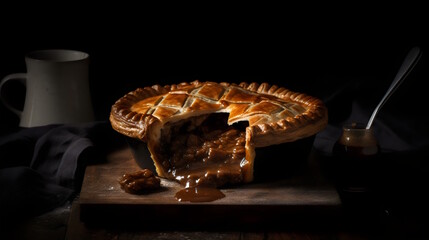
355, 155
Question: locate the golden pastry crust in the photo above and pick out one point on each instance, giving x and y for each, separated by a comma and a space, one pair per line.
275, 114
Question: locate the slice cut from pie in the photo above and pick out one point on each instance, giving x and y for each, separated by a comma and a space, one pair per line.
207, 132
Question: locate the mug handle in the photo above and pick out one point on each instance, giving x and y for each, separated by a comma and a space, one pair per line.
21, 77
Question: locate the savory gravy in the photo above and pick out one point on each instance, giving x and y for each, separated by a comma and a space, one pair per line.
199, 194
205, 156
202, 154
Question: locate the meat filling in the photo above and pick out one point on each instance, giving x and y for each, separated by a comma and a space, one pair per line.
204, 150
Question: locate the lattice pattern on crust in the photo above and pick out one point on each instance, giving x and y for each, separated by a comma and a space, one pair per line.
270, 110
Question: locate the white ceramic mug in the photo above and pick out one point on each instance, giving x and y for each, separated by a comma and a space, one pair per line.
57, 88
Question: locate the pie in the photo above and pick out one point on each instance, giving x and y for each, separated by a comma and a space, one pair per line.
207, 132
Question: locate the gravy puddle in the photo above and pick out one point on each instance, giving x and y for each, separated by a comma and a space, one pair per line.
199, 194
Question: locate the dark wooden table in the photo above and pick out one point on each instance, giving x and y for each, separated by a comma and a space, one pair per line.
79, 230
303, 206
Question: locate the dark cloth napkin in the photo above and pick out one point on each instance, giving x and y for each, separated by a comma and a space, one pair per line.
42, 167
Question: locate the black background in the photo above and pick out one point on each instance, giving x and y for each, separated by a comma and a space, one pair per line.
350, 53
334, 57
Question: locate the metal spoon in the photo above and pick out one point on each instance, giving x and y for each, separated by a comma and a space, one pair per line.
410, 61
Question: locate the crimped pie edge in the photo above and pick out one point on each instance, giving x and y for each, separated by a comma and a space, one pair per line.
314, 119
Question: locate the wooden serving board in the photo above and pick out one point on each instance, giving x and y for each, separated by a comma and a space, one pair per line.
302, 197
